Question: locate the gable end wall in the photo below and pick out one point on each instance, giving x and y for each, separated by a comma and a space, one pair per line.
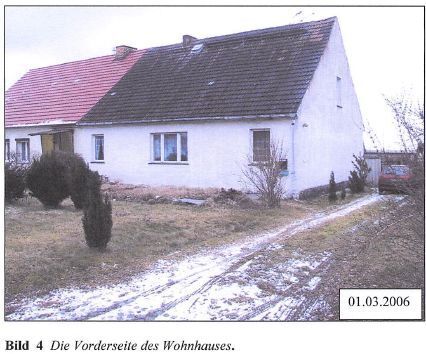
331, 134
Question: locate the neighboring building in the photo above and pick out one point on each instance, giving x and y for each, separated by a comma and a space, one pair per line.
190, 114
43, 106
376, 160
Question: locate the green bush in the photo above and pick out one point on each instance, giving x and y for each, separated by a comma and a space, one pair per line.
78, 180
97, 218
358, 177
47, 179
14, 180
332, 188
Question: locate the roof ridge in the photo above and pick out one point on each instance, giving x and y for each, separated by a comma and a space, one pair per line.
220, 38
264, 31
249, 33
84, 60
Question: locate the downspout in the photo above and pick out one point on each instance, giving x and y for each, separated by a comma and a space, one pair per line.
293, 159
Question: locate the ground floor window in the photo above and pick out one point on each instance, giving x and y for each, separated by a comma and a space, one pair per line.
169, 147
98, 147
22, 150
7, 150
261, 143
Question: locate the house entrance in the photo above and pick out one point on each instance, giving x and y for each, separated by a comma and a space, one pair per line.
62, 141
56, 141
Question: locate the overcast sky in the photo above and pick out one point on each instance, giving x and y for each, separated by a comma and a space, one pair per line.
384, 46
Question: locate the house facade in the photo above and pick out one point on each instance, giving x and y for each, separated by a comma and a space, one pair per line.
198, 112
197, 116
42, 107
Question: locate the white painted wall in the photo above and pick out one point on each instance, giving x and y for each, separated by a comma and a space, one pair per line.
332, 133
22, 133
217, 151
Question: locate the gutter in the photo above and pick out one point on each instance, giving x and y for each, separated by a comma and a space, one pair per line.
204, 119
44, 124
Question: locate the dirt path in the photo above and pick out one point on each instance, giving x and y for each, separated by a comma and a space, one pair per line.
228, 283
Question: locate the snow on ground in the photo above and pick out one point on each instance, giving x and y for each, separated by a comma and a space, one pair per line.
228, 283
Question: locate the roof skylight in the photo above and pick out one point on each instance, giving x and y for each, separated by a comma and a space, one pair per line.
197, 48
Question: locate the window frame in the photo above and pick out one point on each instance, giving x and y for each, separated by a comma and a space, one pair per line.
94, 137
162, 160
252, 131
6, 150
18, 156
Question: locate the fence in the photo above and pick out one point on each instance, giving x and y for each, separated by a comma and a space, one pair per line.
375, 163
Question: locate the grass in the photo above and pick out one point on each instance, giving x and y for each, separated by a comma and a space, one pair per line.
45, 249
364, 254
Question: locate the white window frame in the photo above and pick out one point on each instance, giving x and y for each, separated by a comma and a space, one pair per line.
178, 148
94, 137
339, 92
7, 150
252, 141
26, 158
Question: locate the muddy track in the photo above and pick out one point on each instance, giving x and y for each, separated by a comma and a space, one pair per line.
180, 289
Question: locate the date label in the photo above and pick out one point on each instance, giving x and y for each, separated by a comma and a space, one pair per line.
380, 304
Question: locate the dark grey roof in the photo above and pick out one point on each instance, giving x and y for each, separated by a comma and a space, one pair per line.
258, 73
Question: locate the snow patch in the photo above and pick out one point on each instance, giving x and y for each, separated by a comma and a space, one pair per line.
207, 286
312, 284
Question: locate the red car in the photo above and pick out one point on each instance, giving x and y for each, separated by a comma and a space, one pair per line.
395, 178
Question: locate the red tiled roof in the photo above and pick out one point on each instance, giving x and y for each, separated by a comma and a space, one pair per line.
64, 92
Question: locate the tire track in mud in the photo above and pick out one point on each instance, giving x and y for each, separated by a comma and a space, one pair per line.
239, 260
293, 291
215, 266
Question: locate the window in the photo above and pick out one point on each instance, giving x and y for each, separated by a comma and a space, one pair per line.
7, 150
22, 150
261, 141
169, 147
339, 91
98, 148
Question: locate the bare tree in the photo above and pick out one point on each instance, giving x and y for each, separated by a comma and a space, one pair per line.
265, 176
409, 118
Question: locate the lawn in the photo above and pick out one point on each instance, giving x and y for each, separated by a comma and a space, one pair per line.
45, 249
364, 254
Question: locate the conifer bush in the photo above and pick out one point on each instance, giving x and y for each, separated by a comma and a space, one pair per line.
14, 180
358, 177
78, 181
332, 188
97, 217
47, 179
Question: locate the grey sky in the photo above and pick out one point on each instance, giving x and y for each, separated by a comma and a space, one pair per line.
384, 45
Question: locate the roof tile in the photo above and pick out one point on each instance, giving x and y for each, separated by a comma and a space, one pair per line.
263, 72
64, 92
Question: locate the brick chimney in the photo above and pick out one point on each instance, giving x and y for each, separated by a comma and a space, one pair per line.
188, 40
122, 51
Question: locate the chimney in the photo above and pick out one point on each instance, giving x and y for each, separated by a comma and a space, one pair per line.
188, 40
122, 51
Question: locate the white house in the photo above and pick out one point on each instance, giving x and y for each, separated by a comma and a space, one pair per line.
193, 113
190, 114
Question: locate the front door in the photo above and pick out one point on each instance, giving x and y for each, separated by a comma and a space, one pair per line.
62, 141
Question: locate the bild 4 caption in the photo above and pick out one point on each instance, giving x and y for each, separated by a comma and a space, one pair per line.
100, 345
